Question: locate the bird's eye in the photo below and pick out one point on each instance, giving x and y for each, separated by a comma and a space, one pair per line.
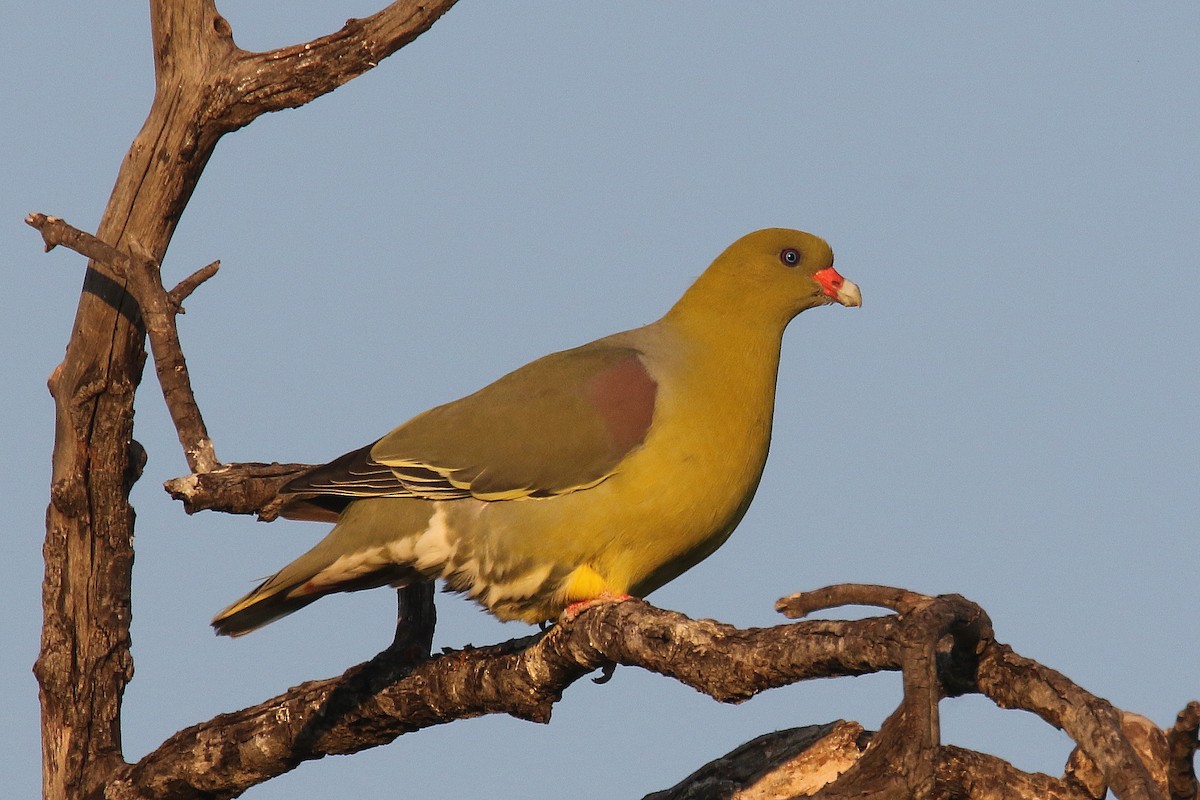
790, 256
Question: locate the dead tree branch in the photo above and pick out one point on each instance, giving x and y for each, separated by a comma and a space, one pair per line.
245, 488
375, 702
1013, 681
938, 645
1182, 743
799, 762
158, 308
205, 87
788, 763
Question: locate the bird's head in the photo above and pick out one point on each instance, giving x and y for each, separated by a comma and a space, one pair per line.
772, 274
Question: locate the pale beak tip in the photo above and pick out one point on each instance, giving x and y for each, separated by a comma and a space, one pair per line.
849, 295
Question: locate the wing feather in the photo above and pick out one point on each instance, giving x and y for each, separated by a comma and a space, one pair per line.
560, 424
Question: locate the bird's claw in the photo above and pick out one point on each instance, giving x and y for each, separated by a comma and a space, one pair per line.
606, 673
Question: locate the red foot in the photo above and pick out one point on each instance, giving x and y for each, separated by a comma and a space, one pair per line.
575, 609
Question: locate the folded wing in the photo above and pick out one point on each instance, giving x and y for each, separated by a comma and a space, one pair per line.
560, 424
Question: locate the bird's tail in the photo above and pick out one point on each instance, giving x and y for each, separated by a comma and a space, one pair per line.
364, 550
265, 604
304, 580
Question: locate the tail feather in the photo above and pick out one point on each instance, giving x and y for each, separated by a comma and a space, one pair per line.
361, 552
279, 596
258, 608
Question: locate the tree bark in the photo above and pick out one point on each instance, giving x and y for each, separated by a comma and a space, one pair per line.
205, 87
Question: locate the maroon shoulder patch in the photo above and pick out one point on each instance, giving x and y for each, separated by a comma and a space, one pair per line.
624, 396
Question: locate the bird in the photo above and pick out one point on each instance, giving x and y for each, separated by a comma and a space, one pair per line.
602, 471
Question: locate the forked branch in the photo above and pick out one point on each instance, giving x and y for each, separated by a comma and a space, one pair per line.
205, 87
158, 308
208, 86
938, 643
233, 488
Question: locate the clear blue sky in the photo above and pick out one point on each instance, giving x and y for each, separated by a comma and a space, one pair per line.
1010, 416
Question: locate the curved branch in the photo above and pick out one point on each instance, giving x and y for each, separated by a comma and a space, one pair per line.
789, 763
375, 702
936, 644
291, 76
978, 776
797, 606
1013, 681
799, 762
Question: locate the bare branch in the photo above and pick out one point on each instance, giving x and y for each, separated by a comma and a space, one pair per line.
246, 488
802, 604
158, 310
788, 763
1013, 681
185, 287
967, 775
903, 757
291, 76
377, 701
1182, 745
84, 663
800, 761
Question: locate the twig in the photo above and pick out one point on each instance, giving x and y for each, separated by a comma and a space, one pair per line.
244, 488
797, 606
158, 309
185, 287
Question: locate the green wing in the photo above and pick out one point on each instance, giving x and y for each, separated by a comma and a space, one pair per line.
558, 425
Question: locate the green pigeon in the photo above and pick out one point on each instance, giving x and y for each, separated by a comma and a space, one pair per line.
604, 470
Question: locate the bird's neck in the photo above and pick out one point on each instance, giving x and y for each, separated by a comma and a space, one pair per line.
731, 360
726, 328
719, 304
